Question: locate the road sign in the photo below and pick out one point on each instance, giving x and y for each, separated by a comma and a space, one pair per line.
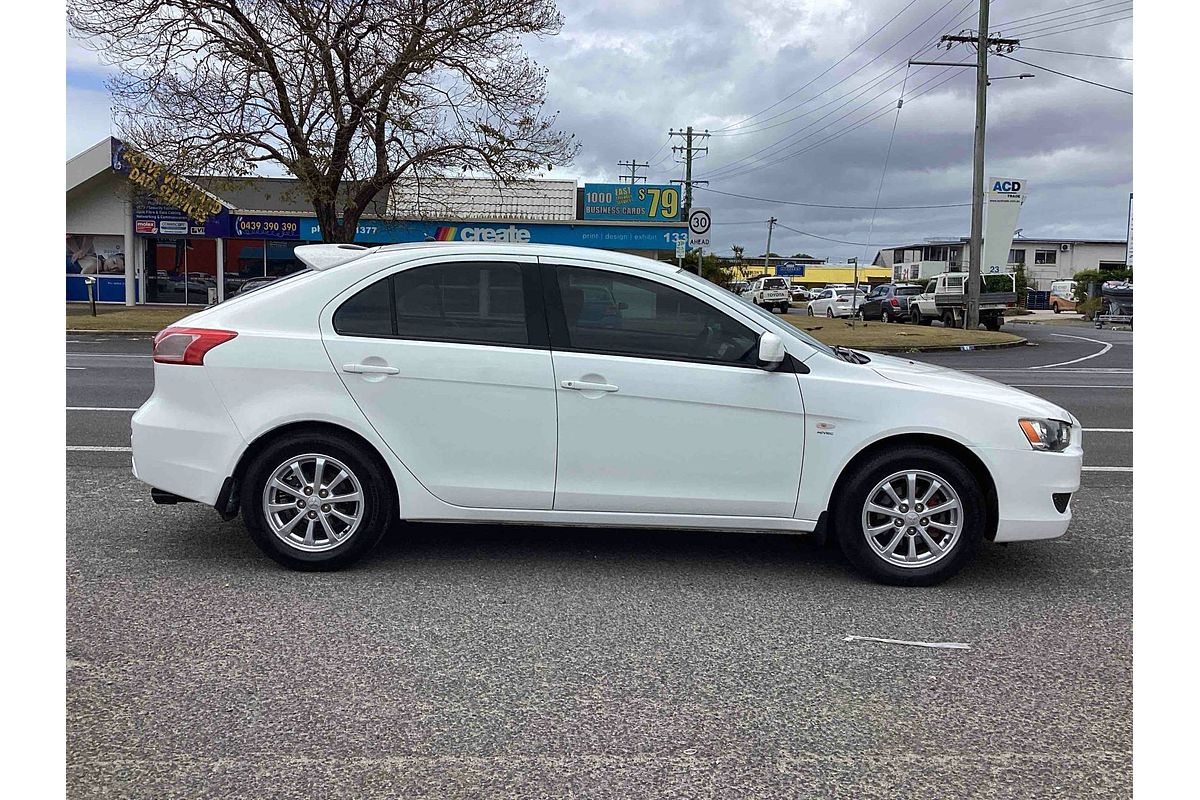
699, 225
680, 247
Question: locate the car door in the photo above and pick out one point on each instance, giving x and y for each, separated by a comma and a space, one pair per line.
661, 406
872, 304
818, 305
449, 361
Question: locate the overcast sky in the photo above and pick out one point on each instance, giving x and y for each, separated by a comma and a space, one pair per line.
625, 71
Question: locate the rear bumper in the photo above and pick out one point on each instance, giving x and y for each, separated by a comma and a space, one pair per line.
184, 441
1026, 482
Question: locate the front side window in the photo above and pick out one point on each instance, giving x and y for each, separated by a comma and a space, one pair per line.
479, 303
608, 312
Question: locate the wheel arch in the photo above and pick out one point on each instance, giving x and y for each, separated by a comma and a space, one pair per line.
948, 445
269, 437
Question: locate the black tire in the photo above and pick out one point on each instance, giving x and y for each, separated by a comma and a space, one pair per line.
993, 323
811, 313
948, 319
914, 316
885, 316
1056, 308
829, 312
378, 503
852, 495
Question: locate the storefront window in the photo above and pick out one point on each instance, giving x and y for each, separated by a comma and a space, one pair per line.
281, 259
166, 270
244, 259
201, 271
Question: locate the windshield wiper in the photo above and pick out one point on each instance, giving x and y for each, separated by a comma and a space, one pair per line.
846, 354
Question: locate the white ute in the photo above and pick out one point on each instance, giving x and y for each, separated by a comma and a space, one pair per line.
769, 292
538, 384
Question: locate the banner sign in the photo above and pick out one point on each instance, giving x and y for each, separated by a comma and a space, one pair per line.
1001, 207
631, 202
167, 204
612, 237
790, 269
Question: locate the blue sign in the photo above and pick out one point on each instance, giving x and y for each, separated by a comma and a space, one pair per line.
790, 269
254, 226
631, 202
608, 237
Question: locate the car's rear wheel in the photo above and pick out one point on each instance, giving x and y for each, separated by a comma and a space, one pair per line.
1055, 308
885, 316
910, 517
316, 501
914, 316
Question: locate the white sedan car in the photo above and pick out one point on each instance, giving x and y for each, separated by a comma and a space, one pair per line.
531, 384
834, 303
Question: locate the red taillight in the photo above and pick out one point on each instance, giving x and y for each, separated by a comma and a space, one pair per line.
895, 303
187, 345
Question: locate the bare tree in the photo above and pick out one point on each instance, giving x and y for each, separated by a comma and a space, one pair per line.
348, 96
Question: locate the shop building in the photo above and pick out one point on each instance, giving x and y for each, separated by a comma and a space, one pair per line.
1045, 260
148, 236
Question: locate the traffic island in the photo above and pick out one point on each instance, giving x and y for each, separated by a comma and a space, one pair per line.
896, 337
123, 319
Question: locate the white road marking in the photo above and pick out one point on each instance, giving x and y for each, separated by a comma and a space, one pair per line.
90, 448
1107, 346
1066, 386
109, 408
76, 367
1108, 430
108, 355
1108, 469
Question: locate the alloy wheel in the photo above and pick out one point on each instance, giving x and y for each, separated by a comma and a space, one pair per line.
912, 518
313, 502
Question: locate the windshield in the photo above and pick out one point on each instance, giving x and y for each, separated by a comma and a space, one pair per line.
769, 320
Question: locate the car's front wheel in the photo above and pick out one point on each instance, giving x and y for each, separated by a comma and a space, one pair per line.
910, 517
811, 313
829, 312
315, 501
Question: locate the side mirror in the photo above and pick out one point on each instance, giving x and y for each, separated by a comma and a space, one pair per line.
770, 351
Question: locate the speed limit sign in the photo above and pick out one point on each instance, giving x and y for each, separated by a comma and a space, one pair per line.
699, 225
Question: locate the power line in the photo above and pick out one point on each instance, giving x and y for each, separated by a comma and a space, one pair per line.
883, 174
1027, 38
1065, 75
1069, 53
818, 236
1036, 28
860, 45
877, 114
1059, 11
827, 205
726, 131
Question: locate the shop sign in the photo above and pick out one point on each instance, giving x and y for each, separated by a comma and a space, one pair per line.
266, 227
612, 237
153, 178
631, 203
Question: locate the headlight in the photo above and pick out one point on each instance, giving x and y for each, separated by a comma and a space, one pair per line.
1047, 434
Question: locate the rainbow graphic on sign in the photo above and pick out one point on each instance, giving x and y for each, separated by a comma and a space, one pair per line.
445, 233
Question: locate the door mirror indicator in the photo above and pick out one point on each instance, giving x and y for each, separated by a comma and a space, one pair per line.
770, 351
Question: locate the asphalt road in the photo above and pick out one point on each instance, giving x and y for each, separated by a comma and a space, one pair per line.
479, 661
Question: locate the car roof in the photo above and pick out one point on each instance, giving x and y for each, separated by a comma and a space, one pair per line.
543, 250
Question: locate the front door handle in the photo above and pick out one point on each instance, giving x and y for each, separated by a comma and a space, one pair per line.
588, 386
370, 369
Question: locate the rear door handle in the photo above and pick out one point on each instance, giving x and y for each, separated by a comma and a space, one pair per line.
588, 386
370, 369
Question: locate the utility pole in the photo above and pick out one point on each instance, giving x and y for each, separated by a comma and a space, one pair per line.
633, 166
767, 258
982, 43
688, 149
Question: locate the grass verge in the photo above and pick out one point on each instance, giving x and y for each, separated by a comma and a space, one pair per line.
149, 319
894, 336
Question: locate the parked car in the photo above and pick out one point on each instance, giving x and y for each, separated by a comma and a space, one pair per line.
769, 292
800, 294
833, 303
1062, 296
455, 382
737, 287
888, 302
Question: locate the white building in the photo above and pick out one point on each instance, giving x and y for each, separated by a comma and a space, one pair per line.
1045, 260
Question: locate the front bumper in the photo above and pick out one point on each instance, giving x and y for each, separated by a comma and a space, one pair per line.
1026, 482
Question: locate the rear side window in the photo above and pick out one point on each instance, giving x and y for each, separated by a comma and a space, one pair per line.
368, 313
479, 303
